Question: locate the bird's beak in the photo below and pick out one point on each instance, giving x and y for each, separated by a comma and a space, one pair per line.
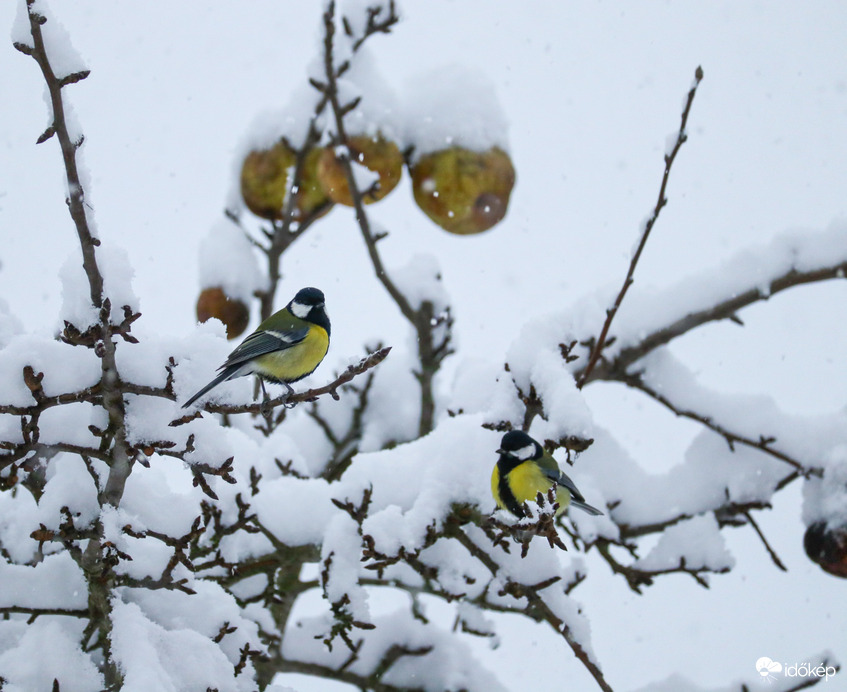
501, 451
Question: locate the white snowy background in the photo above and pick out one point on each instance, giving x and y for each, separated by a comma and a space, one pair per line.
591, 93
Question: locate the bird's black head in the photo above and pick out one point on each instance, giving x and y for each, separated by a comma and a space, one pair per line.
308, 305
519, 445
309, 296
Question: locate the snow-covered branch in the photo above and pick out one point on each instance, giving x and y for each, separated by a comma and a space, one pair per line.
763, 442
753, 276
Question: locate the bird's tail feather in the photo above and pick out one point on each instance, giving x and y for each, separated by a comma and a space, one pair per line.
585, 507
225, 375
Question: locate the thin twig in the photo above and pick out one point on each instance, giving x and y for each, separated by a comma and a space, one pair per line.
764, 540
637, 577
89, 394
37, 612
724, 515
682, 136
376, 25
344, 446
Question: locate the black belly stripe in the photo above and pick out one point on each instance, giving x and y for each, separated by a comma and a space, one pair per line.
506, 494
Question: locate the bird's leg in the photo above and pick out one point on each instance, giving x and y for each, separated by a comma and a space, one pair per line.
288, 393
266, 400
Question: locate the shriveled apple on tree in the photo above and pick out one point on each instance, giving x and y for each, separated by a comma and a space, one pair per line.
464, 191
378, 155
826, 544
235, 315
265, 181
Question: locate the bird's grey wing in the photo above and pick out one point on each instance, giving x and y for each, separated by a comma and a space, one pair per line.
577, 500
561, 478
260, 343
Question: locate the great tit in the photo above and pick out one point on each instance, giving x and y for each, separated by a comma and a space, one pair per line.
524, 469
285, 348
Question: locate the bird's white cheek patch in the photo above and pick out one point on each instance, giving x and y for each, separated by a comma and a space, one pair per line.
300, 310
525, 453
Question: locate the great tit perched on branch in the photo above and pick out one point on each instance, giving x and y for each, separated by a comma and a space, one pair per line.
524, 469
285, 348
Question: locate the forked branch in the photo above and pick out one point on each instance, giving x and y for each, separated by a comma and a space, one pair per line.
431, 352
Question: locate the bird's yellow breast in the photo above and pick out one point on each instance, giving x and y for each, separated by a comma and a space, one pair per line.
526, 480
294, 363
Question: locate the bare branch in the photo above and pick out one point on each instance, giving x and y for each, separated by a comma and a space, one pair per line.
376, 23
331, 93
76, 194
771, 551
345, 446
682, 136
